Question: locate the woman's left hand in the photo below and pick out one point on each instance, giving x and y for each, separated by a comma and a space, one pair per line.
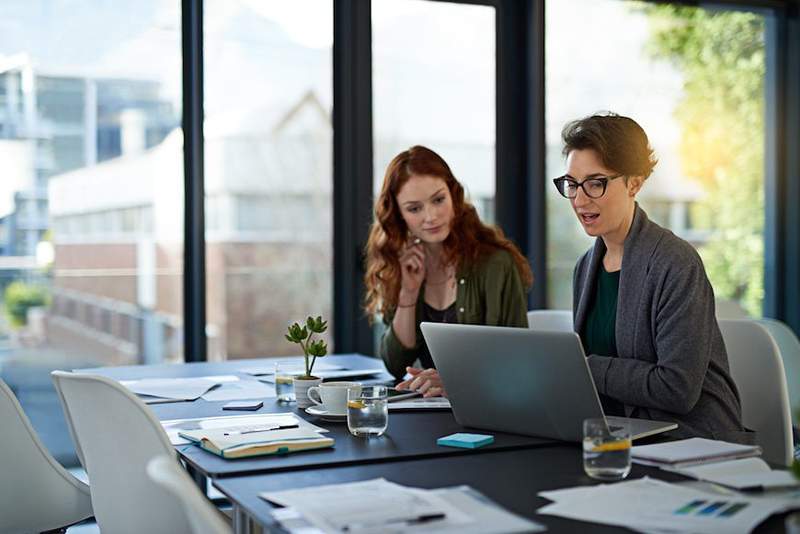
426, 381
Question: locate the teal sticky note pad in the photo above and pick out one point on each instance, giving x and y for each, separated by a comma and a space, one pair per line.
465, 441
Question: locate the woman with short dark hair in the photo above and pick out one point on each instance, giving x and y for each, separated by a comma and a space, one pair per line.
642, 303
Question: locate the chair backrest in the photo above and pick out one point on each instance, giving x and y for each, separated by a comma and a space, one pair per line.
199, 512
556, 320
36, 492
789, 345
117, 435
757, 369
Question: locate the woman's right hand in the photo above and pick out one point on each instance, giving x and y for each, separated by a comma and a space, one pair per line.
412, 268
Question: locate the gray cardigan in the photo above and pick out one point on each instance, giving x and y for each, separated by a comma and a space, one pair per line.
671, 363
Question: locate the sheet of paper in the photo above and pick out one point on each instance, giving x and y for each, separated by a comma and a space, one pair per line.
173, 426
177, 388
421, 403
295, 364
342, 373
371, 506
240, 390
743, 473
476, 513
647, 504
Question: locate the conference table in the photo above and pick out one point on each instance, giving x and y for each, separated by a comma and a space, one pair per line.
511, 471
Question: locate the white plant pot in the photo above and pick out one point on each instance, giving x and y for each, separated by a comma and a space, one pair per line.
301, 387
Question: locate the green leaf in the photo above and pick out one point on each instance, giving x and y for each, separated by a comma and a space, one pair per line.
317, 348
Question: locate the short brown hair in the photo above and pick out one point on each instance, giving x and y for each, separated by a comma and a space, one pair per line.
619, 141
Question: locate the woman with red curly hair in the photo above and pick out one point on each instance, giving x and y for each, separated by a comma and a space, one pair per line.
430, 258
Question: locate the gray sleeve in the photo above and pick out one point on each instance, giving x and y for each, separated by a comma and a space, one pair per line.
684, 319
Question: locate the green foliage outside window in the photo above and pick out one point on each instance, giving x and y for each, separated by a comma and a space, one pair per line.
722, 58
19, 297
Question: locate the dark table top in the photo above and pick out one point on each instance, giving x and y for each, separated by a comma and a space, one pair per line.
511, 478
409, 435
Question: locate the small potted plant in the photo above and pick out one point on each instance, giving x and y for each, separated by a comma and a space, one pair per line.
312, 349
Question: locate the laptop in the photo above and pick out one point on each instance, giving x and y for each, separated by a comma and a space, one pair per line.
521, 381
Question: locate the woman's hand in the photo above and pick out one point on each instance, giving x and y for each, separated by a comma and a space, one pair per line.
412, 268
426, 381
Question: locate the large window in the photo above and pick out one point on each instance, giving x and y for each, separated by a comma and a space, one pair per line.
91, 195
694, 79
434, 85
268, 171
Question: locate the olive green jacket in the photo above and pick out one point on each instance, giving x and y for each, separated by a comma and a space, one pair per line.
488, 293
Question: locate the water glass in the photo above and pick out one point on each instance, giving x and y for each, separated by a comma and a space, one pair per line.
606, 449
367, 410
284, 384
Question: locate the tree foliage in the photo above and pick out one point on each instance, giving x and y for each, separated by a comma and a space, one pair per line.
19, 298
721, 56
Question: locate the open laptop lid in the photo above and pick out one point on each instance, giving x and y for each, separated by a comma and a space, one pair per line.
514, 379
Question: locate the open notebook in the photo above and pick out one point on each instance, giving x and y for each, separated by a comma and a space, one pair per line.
242, 443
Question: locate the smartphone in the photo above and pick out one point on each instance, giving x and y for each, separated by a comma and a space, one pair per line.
243, 405
400, 394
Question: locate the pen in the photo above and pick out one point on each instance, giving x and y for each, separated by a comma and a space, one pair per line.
410, 521
261, 429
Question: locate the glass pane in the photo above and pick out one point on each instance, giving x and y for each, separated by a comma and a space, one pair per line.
694, 79
91, 194
268, 172
434, 85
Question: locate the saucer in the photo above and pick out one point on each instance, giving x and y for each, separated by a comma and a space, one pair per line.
325, 415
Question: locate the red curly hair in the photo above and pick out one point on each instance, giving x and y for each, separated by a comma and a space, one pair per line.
469, 239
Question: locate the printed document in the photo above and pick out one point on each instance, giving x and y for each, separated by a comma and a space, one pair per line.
647, 504
175, 389
380, 506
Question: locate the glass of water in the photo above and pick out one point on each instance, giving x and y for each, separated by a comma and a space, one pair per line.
367, 411
606, 449
284, 384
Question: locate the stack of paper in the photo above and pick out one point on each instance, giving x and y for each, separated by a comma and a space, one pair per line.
691, 451
295, 367
421, 403
157, 390
742, 474
380, 506
648, 505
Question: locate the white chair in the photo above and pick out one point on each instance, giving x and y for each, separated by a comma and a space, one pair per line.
789, 346
557, 320
757, 369
116, 436
36, 492
199, 512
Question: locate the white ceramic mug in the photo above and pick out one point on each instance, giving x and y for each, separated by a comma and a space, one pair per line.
332, 396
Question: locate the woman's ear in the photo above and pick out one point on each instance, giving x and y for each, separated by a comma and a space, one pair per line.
634, 185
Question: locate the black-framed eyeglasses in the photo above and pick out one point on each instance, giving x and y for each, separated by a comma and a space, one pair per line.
592, 187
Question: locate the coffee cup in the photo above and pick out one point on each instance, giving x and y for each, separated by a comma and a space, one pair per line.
332, 396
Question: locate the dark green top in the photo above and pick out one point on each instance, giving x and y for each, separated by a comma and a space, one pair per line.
599, 336
489, 292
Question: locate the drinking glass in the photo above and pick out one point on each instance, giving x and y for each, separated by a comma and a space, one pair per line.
284, 385
606, 449
367, 411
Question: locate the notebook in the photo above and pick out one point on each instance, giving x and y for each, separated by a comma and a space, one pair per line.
691, 451
242, 443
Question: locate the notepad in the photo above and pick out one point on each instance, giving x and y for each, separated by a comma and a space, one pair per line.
691, 452
742, 474
465, 441
238, 443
